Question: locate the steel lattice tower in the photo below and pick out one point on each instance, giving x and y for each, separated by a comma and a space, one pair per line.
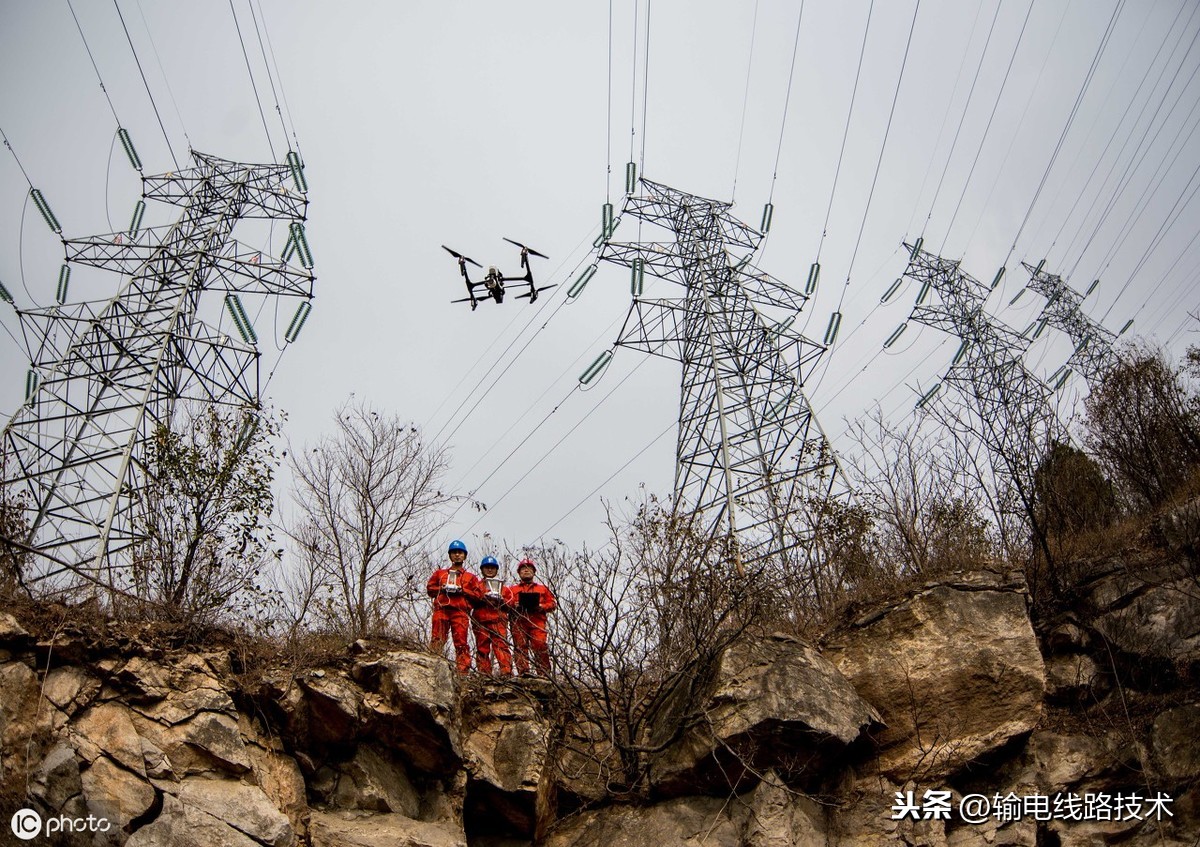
750, 455
1094, 352
1011, 406
106, 373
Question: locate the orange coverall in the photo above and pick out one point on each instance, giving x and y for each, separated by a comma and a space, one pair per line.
452, 612
490, 624
530, 601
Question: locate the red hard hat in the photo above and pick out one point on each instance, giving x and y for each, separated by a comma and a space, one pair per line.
528, 562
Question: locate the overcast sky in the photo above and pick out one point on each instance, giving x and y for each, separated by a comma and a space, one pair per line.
433, 123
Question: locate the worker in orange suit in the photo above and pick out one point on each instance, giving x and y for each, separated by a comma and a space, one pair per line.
489, 621
530, 602
453, 591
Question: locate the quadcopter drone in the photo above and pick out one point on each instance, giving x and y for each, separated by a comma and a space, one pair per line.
493, 281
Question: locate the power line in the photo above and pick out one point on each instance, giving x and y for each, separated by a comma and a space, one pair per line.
253, 84
146, 83
745, 103
846, 132
962, 118
787, 99
987, 128
93, 60
262, 49
1087, 81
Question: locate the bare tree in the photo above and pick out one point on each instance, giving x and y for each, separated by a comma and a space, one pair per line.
639, 627
924, 494
1143, 425
203, 516
367, 496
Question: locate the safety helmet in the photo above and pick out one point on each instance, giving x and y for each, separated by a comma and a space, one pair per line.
457, 545
489, 562
527, 562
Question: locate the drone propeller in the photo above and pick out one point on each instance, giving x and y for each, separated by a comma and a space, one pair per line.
461, 257
526, 249
530, 295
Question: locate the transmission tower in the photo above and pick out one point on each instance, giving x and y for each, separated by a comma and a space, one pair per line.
1011, 408
1094, 354
750, 455
105, 374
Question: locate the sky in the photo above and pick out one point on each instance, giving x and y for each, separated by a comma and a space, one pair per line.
998, 133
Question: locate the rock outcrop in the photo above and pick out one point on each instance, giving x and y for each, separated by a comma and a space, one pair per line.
954, 669
942, 695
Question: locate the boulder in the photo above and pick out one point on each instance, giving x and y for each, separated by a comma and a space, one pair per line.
679, 822
114, 793
280, 779
362, 829
371, 782
331, 709
585, 763
955, 671
56, 779
18, 704
107, 729
210, 741
69, 688
1152, 614
244, 807
143, 681
411, 704
782, 817
774, 702
179, 825
12, 634
1073, 677
505, 749
864, 815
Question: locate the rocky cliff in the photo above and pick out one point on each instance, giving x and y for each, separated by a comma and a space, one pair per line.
893, 731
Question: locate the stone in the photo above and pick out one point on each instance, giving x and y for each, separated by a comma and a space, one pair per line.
280, 779
362, 829
67, 687
114, 793
412, 705
1153, 614
179, 825
332, 709
1176, 743
184, 703
505, 749
781, 817
370, 782
143, 680
679, 822
56, 779
771, 698
156, 762
18, 701
11, 632
1057, 762
955, 670
1073, 676
584, 763
244, 807
108, 729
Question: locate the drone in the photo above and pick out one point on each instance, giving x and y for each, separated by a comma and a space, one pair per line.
493, 281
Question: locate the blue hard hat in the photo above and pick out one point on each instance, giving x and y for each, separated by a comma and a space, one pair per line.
457, 545
489, 560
